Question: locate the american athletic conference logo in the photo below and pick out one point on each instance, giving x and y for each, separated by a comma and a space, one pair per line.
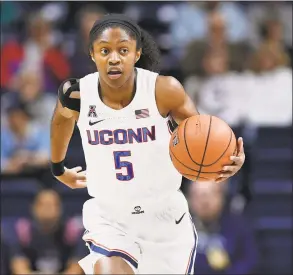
137, 210
92, 111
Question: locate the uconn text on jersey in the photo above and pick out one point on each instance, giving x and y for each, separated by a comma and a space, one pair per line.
121, 136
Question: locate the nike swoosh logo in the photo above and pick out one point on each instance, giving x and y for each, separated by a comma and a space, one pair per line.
91, 123
177, 222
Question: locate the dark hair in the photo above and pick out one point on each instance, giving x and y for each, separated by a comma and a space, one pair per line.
44, 190
150, 57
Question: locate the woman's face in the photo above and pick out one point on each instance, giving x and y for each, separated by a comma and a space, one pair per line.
115, 54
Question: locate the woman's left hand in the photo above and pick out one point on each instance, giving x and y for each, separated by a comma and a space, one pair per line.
231, 170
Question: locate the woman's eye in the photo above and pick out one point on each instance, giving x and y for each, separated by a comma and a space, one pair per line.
124, 51
104, 51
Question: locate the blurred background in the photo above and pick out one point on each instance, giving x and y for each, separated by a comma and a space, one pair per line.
234, 60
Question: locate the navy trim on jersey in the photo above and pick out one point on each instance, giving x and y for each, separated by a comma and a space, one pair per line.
112, 252
192, 261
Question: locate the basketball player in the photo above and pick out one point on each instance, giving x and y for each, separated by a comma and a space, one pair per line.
137, 220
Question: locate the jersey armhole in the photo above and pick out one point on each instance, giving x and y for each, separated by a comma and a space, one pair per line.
88, 88
155, 98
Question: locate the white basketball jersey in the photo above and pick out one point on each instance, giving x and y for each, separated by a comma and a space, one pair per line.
127, 150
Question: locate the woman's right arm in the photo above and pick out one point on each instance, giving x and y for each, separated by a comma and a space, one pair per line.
62, 126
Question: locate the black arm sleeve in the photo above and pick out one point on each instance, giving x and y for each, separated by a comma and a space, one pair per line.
66, 88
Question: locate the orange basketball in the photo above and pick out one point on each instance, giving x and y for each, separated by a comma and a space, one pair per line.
200, 147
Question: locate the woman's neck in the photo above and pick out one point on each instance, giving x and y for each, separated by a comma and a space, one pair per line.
120, 96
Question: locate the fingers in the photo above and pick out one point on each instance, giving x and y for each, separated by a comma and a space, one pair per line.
82, 173
229, 169
77, 169
220, 179
238, 160
81, 177
81, 184
240, 146
227, 174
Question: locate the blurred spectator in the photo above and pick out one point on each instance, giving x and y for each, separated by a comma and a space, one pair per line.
80, 62
30, 93
270, 96
215, 61
46, 244
268, 57
260, 12
225, 243
221, 93
39, 52
216, 40
192, 22
273, 38
24, 146
5, 257
273, 32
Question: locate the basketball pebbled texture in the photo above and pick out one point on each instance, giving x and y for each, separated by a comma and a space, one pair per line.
200, 147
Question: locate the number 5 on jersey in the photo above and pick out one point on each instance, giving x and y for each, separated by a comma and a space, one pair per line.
119, 164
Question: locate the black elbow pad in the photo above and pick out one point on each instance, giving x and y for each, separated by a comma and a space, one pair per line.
66, 88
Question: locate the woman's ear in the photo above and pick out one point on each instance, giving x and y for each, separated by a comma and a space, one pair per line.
138, 54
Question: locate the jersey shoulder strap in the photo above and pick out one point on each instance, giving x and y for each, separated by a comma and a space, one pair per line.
147, 90
64, 93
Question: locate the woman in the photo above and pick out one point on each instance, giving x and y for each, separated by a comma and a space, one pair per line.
137, 220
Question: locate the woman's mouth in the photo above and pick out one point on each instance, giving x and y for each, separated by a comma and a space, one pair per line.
114, 74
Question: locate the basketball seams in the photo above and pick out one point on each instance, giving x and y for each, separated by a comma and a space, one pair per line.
205, 149
185, 143
189, 167
206, 165
186, 165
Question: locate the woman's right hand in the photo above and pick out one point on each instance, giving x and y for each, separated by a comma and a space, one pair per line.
74, 178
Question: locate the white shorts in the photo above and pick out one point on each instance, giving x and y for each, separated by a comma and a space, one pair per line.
155, 238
